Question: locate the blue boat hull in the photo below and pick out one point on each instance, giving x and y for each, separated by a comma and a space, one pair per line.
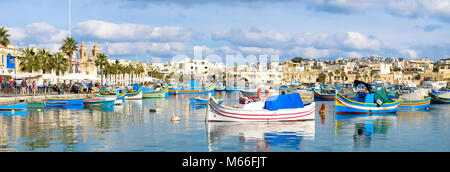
16, 107
70, 101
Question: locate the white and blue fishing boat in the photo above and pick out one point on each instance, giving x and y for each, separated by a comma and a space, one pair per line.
287, 107
366, 102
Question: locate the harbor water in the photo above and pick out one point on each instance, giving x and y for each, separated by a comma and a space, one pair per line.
132, 127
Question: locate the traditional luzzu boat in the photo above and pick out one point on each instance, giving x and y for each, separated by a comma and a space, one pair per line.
439, 98
120, 97
330, 95
193, 90
99, 102
286, 107
14, 107
157, 94
136, 95
55, 103
70, 101
366, 103
415, 100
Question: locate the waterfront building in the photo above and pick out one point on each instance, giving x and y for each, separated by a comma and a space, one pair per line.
9, 60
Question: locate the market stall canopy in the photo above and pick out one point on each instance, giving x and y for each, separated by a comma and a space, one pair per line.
78, 76
28, 76
71, 77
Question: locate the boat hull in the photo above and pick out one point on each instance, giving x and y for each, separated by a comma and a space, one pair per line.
220, 113
134, 95
156, 94
436, 99
70, 101
15, 107
347, 106
208, 89
422, 104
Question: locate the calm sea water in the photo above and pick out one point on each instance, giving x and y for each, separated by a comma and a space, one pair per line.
131, 127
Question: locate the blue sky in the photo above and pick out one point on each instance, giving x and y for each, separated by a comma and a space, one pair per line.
160, 29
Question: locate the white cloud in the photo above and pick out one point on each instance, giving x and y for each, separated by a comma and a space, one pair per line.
358, 41
409, 53
96, 29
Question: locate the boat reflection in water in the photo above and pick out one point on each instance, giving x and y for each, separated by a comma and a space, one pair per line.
103, 109
69, 107
260, 136
364, 127
13, 113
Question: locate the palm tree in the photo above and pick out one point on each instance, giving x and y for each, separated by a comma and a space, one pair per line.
131, 70
27, 63
4, 40
69, 46
45, 60
116, 69
61, 64
101, 61
140, 70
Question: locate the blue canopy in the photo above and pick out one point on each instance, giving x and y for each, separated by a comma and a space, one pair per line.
284, 101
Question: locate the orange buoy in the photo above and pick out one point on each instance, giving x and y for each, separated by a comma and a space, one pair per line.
266, 90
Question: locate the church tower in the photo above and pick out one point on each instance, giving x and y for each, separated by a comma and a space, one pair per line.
83, 53
95, 52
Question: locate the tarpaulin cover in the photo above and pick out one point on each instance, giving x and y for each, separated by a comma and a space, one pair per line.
284, 101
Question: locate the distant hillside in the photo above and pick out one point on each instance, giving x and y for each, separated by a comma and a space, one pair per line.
299, 60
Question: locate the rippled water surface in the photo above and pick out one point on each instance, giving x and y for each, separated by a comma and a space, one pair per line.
131, 127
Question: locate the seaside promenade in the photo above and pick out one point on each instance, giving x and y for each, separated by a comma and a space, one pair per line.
37, 98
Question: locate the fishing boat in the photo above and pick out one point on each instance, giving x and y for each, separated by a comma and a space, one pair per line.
204, 101
136, 95
14, 107
119, 94
415, 100
99, 102
70, 101
439, 98
157, 94
287, 107
36, 105
55, 103
193, 90
331, 96
366, 102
